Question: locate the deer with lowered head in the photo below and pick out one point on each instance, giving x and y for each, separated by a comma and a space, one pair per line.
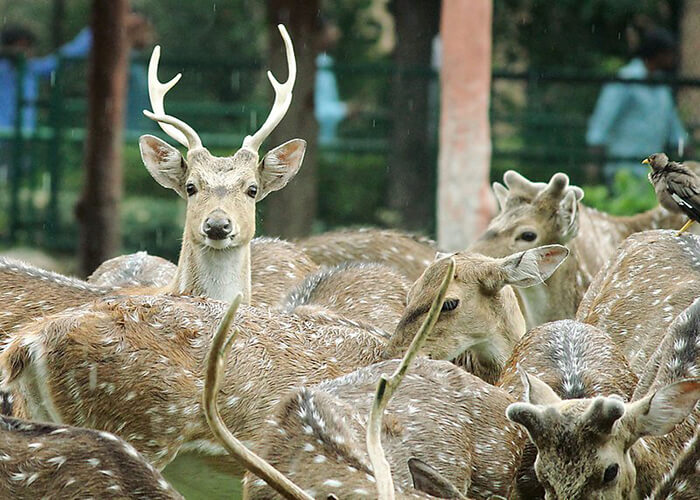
534, 214
360, 473
149, 350
603, 447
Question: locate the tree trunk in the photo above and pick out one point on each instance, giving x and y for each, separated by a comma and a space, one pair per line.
464, 200
689, 97
98, 209
291, 211
411, 164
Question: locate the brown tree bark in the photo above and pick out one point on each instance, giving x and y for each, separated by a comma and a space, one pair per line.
291, 211
464, 199
411, 183
98, 208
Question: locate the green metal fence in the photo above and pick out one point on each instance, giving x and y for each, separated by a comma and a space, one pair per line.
538, 127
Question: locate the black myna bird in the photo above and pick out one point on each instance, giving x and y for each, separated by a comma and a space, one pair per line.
677, 187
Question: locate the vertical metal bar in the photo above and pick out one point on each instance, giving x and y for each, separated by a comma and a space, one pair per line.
18, 148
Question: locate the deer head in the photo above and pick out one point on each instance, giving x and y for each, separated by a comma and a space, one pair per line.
583, 445
532, 214
221, 192
480, 313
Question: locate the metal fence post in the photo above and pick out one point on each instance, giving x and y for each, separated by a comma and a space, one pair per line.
17, 149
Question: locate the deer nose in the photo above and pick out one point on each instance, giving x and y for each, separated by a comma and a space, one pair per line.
217, 228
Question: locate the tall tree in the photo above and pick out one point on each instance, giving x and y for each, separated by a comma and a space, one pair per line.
411, 171
464, 200
689, 98
98, 208
291, 211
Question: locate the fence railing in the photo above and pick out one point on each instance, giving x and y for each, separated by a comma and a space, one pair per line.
538, 127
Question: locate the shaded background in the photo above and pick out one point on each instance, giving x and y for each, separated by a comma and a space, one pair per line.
549, 61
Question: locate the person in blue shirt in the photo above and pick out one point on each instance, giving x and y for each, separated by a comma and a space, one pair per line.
329, 110
632, 121
17, 42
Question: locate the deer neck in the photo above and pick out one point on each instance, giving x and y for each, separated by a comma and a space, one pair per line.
216, 274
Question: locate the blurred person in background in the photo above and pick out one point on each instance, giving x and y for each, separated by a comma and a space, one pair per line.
18, 44
632, 121
329, 110
141, 36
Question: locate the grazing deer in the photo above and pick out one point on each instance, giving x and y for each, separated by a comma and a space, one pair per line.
426, 479
408, 253
40, 460
574, 359
606, 448
652, 279
80, 366
534, 214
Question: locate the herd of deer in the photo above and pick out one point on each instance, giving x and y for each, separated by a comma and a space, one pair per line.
511, 397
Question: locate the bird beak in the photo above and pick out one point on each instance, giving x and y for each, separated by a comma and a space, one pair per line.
646, 162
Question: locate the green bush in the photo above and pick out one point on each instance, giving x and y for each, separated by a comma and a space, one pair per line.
629, 194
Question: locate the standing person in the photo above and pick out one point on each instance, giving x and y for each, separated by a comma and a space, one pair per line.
634, 120
18, 43
329, 110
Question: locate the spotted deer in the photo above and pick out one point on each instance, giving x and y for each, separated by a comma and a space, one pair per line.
534, 214
682, 482
604, 447
409, 254
221, 195
39, 460
78, 367
653, 277
426, 480
577, 361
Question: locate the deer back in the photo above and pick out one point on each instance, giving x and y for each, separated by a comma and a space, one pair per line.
134, 270
39, 460
362, 291
408, 253
446, 418
652, 279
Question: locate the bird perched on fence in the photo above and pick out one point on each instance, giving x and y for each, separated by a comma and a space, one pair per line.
677, 187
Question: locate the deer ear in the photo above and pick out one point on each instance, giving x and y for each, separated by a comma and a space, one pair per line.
501, 194
165, 163
280, 165
568, 213
430, 481
658, 413
536, 391
527, 268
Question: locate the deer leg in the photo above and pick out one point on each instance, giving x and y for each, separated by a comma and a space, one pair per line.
685, 227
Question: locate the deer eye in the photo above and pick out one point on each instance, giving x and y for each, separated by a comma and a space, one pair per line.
527, 236
252, 191
450, 305
191, 189
610, 473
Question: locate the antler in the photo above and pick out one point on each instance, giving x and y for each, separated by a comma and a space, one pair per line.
283, 97
175, 128
387, 386
218, 351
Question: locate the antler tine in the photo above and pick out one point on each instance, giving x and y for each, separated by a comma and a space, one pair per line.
218, 351
388, 385
283, 97
175, 128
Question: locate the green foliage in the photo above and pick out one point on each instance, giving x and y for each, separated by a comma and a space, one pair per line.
629, 195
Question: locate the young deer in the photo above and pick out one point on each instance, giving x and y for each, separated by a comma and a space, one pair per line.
606, 448
54, 461
408, 253
652, 279
577, 361
80, 366
534, 214
682, 482
425, 478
